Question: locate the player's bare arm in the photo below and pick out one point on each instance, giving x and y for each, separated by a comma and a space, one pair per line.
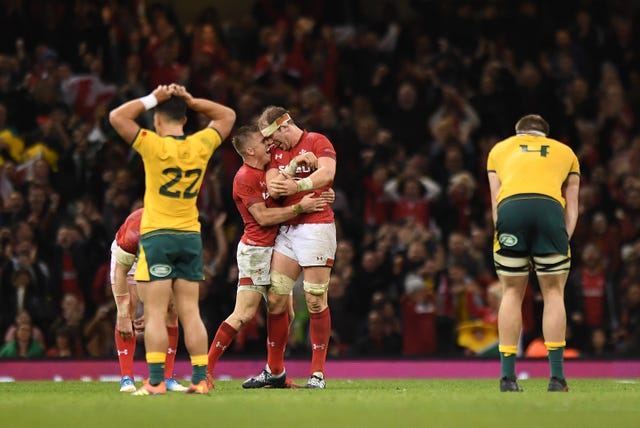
321, 177
123, 118
222, 117
494, 185
309, 159
122, 297
276, 215
571, 191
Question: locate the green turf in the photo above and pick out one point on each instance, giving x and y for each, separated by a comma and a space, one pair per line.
359, 403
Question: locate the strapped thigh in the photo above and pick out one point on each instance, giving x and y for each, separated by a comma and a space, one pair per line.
511, 265
551, 265
281, 283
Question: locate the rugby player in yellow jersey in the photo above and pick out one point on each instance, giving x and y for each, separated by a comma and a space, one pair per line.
534, 183
170, 249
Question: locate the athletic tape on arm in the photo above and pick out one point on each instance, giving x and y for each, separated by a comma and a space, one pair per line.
124, 258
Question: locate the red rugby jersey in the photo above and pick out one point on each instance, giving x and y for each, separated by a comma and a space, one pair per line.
250, 187
319, 145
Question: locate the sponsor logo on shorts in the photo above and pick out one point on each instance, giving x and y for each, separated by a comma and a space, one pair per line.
160, 270
507, 239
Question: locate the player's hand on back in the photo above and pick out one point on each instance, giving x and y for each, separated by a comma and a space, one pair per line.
312, 204
329, 196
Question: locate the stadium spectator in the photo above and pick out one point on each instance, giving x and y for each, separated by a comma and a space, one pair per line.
589, 296
23, 346
71, 317
24, 317
380, 339
62, 344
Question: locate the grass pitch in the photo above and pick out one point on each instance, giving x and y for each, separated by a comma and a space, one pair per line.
345, 403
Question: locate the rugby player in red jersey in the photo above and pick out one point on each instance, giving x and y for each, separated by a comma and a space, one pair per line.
305, 243
261, 216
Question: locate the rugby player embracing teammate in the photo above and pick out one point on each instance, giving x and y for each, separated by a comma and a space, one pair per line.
306, 243
261, 217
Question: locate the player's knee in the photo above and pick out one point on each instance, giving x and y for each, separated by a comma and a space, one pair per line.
280, 283
243, 317
316, 306
551, 265
511, 266
277, 303
315, 288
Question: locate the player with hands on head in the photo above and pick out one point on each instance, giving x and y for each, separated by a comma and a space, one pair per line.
170, 250
125, 292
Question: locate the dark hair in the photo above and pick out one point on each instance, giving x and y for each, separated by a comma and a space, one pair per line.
175, 108
532, 122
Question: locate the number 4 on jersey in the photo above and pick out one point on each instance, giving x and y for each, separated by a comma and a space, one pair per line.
543, 150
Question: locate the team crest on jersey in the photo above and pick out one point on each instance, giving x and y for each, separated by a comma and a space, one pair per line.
507, 239
160, 270
303, 151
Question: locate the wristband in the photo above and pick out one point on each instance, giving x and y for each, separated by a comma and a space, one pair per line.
290, 169
297, 209
149, 101
304, 184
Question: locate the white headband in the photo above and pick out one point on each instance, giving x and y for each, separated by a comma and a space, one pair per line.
273, 126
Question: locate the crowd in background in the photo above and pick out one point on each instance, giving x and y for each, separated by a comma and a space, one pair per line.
412, 102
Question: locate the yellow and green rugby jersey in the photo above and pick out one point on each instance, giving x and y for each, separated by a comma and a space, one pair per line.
174, 168
532, 164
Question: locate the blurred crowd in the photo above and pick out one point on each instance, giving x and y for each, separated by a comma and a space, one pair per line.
412, 97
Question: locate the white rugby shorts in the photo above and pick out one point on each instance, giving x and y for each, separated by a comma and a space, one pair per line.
308, 244
254, 267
